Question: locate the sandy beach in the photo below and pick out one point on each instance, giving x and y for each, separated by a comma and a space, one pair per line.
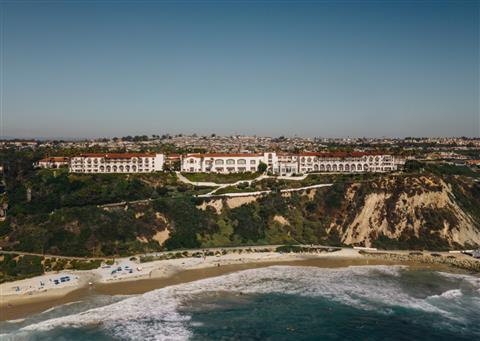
21, 298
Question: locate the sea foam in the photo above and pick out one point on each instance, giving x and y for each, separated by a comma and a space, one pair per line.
158, 314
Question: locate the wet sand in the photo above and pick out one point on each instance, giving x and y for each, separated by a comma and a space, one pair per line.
133, 287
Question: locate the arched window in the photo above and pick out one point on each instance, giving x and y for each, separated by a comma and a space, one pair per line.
315, 167
352, 168
334, 168
219, 162
108, 169
340, 167
329, 168
241, 161
359, 167
347, 168
230, 162
365, 167
322, 168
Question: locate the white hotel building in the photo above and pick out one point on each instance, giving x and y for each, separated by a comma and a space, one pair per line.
336, 162
289, 164
117, 163
221, 163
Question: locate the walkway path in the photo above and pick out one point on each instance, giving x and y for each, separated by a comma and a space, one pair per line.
244, 194
183, 179
218, 186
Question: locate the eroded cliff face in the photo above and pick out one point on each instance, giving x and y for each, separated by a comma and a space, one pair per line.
396, 211
402, 208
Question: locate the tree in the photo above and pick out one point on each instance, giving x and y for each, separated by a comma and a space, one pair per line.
262, 167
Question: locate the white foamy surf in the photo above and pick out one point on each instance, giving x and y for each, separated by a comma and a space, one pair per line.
157, 315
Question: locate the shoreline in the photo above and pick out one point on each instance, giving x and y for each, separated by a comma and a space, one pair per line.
161, 273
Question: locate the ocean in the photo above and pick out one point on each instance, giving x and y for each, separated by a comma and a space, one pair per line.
276, 303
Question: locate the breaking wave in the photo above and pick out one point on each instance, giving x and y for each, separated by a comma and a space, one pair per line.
160, 314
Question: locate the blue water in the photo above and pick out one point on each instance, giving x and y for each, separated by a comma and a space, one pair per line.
277, 303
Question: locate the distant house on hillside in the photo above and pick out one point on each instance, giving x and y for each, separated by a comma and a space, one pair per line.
473, 163
53, 162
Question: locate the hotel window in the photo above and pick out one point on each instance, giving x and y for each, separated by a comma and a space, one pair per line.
241, 161
253, 162
219, 162
230, 162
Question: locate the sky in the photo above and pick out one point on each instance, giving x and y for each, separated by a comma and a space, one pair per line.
309, 68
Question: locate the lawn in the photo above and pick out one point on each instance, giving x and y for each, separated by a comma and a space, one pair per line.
220, 178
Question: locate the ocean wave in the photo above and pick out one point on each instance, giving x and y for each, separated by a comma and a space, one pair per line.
156, 315
469, 279
449, 294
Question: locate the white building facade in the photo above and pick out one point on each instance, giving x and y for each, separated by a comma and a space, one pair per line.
354, 162
221, 163
289, 164
53, 162
117, 163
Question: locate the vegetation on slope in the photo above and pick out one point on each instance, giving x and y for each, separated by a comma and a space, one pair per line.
15, 267
59, 213
221, 178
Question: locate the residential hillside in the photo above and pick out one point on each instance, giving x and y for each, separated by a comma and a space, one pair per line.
53, 212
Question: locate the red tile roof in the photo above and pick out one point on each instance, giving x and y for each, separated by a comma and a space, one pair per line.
340, 154
55, 159
224, 155
118, 155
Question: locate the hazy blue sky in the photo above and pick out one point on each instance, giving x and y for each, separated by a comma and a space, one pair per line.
317, 68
